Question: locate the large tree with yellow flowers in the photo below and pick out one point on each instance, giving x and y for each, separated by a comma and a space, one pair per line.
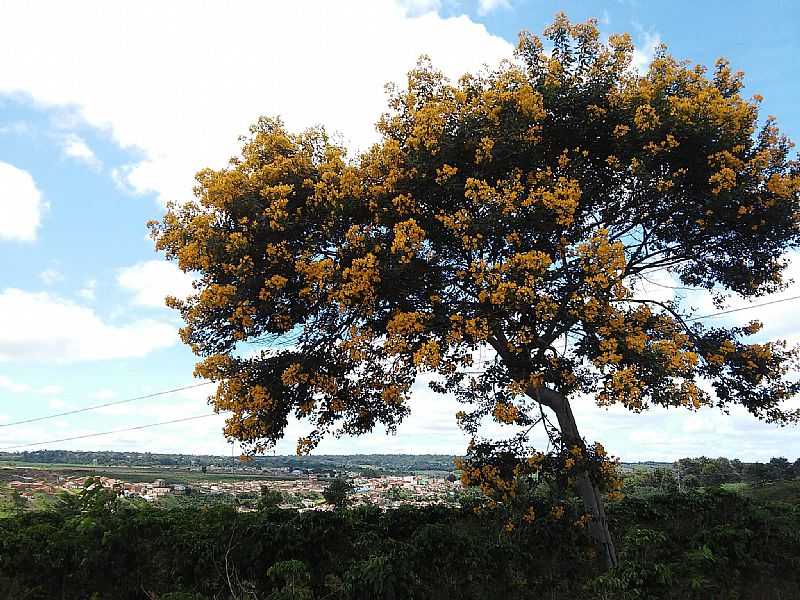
512, 212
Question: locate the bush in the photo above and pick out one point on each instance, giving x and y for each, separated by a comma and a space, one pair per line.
680, 545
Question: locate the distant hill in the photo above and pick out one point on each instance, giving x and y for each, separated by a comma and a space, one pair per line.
355, 462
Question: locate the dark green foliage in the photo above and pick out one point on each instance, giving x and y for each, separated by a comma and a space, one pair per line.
678, 546
269, 498
337, 493
293, 579
703, 471
651, 481
705, 545
695, 472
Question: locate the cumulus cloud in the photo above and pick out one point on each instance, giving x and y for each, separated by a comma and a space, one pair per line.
40, 327
182, 98
88, 291
103, 394
9, 385
776, 311
420, 7
153, 280
15, 128
50, 276
644, 51
487, 6
75, 147
50, 390
658, 286
21, 203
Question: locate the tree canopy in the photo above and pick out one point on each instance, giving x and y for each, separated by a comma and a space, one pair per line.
517, 210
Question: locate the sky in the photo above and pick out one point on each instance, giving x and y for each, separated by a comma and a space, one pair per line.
107, 109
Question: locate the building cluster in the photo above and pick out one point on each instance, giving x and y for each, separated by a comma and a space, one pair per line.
302, 492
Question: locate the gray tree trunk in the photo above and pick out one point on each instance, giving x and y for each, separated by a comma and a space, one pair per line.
590, 494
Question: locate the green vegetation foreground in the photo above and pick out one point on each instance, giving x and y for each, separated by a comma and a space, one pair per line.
711, 544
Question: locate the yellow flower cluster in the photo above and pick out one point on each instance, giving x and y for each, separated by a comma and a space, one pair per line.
293, 375
505, 413
428, 355
408, 237
317, 275
623, 386
646, 118
359, 281
603, 262
483, 153
445, 173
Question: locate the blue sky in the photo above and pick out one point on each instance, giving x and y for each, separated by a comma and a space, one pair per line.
107, 110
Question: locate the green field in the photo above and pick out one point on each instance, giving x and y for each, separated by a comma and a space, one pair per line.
10, 470
778, 491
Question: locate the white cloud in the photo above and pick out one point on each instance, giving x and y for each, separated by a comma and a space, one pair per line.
487, 6
420, 7
643, 53
183, 97
9, 385
50, 276
103, 394
21, 203
15, 128
75, 147
151, 281
658, 286
88, 291
40, 327
779, 318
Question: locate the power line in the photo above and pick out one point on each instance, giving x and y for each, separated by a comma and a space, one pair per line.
173, 390
670, 287
687, 320
733, 310
96, 406
91, 435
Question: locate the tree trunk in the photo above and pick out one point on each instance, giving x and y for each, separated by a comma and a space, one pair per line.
592, 499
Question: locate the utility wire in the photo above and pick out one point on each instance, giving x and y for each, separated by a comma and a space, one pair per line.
96, 406
155, 394
91, 435
733, 310
690, 319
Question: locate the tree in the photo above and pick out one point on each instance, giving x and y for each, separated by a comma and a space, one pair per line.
294, 579
780, 468
516, 213
703, 471
757, 472
337, 492
269, 498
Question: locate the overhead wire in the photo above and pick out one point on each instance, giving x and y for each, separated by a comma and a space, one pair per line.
185, 419
741, 308
697, 318
104, 405
91, 435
